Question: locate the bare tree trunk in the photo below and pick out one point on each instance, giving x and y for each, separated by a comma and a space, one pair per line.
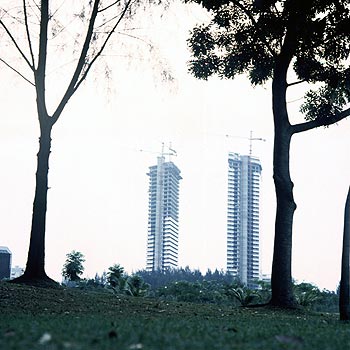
35, 268
344, 291
281, 278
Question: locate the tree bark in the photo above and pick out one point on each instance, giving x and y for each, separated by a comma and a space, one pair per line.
35, 268
344, 290
281, 277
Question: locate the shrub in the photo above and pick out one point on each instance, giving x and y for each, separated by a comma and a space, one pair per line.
245, 296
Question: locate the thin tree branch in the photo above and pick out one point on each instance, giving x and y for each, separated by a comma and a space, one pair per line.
15, 70
28, 34
110, 20
103, 45
295, 100
58, 8
63, 28
320, 122
109, 6
80, 65
11, 16
16, 45
137, 38
36, 13
296, 83
37, 6
116, 16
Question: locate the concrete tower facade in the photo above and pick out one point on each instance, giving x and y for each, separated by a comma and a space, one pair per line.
163, 216
243, 217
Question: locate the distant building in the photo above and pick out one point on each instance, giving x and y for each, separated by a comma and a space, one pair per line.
16, 271
163, 216
243, 217
5, 263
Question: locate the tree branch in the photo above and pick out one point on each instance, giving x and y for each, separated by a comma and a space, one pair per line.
296, 83
104, 44
16, 45
27, 30
15, 70
110, 20
109, 6
320, 122
40, 72
137, 38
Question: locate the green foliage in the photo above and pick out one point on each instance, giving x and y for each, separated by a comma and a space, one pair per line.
183, 284
264, 289
88, 284
159, 279
73, 267
244, 295
327, 302
101, 280
197, 292
121, 283
306, 294
229, 45
246, 37
116, 278
136, 287
220, 292
324, 102
312, 298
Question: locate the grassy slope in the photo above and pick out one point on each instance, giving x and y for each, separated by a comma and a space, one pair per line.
36, 318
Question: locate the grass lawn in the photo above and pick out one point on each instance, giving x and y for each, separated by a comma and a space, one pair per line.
37, 318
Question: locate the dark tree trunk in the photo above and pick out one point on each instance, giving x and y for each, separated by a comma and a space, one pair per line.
344, 291
281, 277
35, 268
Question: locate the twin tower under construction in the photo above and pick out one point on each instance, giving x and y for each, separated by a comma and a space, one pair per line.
243, 192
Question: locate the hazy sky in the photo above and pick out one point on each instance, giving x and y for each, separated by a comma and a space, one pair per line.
98, 196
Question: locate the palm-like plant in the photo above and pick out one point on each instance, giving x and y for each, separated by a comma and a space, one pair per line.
116, 277
244, 295
135, 286
306, 294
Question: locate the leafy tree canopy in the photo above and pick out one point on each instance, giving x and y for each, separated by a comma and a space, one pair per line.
73, 267
116, 276
246, 37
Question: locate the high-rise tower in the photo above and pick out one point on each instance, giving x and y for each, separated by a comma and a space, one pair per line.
243, 217
163, 216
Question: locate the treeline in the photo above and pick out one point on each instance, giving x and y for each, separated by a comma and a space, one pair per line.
159, 279
186, 285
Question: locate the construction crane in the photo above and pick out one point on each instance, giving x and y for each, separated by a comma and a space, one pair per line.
250, 138
170, 153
